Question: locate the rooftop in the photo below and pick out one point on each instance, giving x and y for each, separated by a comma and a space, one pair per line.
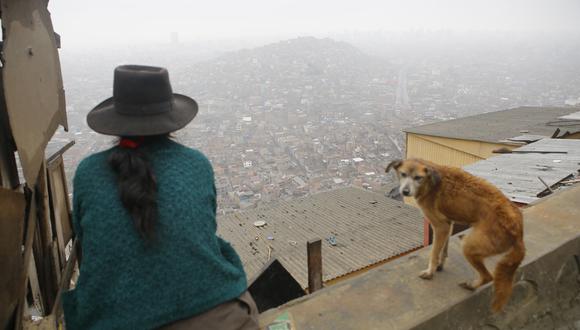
516, 174
358, 229
392, 296
502, 125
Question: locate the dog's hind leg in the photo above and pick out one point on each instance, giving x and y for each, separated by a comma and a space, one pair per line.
441, 232
484, 276
477, 247
445, 250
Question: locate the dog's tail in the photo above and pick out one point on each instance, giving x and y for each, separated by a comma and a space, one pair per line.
503, 277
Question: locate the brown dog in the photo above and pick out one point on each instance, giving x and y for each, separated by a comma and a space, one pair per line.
447, 195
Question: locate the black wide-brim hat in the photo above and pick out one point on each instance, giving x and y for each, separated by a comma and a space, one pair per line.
143, 104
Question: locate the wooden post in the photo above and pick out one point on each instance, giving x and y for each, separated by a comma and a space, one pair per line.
65, 278
46, 266
31, 224
314, 249
8, 168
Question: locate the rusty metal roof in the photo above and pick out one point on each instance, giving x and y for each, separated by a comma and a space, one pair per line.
516, 174
502, 125
368, 227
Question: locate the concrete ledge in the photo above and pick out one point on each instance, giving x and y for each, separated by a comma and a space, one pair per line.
546, 296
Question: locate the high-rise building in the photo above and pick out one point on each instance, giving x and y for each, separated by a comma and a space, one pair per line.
402, 98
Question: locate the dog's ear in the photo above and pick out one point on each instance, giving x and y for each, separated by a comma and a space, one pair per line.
394, 164
434, 175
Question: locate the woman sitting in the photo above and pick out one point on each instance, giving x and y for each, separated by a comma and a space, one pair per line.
145, 216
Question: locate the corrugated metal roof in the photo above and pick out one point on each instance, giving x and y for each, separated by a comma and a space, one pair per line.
572, 116
369, 228
516, 174
502, 125
526, 138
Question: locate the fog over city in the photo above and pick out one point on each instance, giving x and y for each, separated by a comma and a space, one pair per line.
298, 97
123, 21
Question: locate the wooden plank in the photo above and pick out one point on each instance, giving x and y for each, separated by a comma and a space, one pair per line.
54, 151
56, 260
8, 167
59, 205
46, 265
314, 252
66, 277
35, 289
46, 232
31, 220
12, 216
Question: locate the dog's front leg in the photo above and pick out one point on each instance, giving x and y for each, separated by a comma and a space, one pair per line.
441, 234
445, 250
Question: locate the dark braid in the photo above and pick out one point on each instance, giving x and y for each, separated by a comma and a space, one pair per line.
137, 185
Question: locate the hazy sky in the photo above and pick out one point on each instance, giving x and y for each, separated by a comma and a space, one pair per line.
114, 21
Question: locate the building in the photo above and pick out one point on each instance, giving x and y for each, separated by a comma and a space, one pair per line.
467, 140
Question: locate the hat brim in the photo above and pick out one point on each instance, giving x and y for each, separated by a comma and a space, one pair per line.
106, 120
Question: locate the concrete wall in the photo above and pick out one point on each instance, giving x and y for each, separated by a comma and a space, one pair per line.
546, 296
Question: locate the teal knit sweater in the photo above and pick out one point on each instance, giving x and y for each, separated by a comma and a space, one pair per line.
127, 284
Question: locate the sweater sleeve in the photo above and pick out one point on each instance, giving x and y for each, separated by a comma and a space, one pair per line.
226, 249
229, 253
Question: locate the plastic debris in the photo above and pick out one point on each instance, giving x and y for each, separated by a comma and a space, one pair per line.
331, 240
282, 322
270, 238
259, 223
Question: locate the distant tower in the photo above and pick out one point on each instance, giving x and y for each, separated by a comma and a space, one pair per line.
402, 95
174, 38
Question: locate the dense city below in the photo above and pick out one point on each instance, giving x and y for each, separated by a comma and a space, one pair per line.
306, 115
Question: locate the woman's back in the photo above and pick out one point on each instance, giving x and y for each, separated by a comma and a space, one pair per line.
127, 281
